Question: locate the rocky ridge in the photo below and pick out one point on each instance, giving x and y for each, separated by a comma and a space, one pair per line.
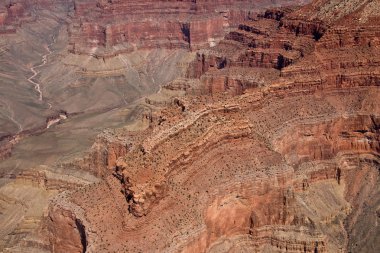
108, 28
275, 147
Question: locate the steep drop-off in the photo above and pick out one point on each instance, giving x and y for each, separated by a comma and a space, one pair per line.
274, 147
232, 128
106, 28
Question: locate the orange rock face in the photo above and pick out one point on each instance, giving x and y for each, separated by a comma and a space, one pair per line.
274, 145
120, 26
72, 232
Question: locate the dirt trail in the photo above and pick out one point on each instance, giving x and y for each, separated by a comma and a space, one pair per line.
37, 86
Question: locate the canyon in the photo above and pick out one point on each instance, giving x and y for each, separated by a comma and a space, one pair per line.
190, 126
106, 28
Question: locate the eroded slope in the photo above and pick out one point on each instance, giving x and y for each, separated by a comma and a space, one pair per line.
274, 148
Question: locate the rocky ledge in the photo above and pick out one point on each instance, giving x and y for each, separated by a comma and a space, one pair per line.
274, 148
107, 28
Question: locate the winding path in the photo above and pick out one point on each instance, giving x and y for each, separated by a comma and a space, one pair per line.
37, 86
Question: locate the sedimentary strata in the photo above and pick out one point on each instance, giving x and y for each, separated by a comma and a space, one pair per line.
106, 28
275, 147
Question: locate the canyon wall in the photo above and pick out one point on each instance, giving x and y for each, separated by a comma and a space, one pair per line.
267, 141
11, 16
17, 12
274, 148
104, 28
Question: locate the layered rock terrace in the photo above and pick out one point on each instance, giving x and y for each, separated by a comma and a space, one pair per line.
106, 28
275, 147
270, 143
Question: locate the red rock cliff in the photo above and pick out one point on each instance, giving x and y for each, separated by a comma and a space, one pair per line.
105, 27
14, 13
275, 148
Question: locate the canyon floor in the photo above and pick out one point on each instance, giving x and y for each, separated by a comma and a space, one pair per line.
234, 126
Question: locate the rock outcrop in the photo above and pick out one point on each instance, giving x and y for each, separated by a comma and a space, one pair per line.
106, 28
11, 16
17, 12
275, 147
265, 138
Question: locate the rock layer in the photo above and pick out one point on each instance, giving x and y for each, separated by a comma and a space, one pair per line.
274, 148
17, 12
106, 28
271, 143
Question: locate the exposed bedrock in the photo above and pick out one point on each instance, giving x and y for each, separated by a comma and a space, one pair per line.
274, 148
72, 231
15, 13
101, 157
263, 42
358, 134
112, 26
193, 174
312, 54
